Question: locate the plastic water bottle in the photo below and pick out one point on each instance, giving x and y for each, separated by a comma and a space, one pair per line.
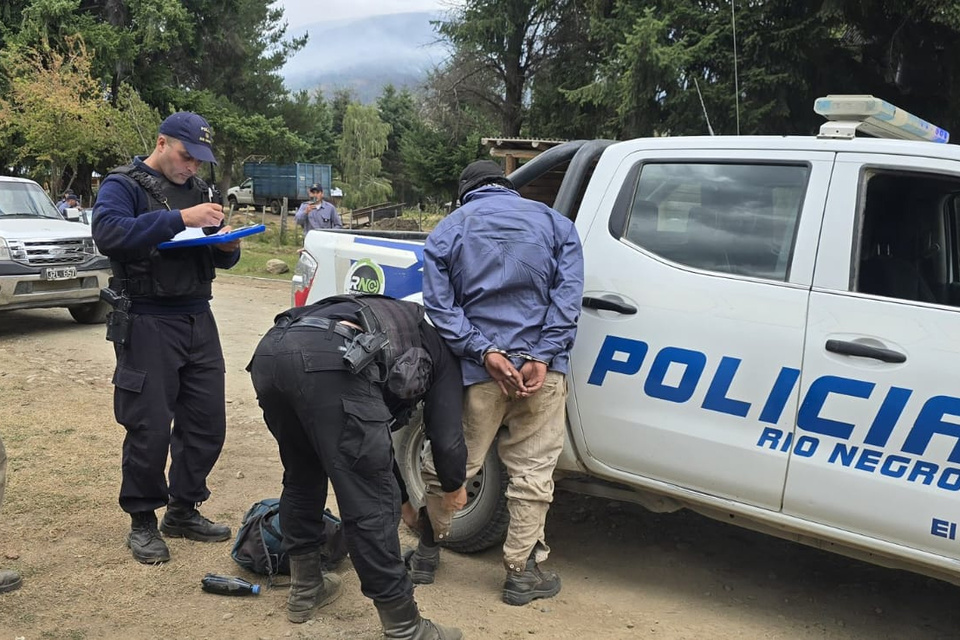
228, 585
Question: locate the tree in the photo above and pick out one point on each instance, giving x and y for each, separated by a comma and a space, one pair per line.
500, 46
434, 160
444, 138
552, 113
361, 147
397, 109
238, 134
657, 59
312, 121
56, 108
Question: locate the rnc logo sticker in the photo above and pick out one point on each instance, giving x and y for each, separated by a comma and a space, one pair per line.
365, 276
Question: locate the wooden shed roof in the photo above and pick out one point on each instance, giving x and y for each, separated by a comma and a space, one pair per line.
515, 149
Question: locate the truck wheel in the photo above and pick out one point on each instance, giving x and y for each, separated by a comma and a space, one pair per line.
90, 313
232, 201
482, 523
275, 206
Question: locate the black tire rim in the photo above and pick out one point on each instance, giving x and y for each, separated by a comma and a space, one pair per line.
476, 486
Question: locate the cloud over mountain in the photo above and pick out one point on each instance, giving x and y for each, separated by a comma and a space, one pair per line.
365, 54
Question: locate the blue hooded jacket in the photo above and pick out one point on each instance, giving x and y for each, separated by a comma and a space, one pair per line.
504, 272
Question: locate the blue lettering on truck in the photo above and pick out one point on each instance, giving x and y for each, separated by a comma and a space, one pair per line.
624, 356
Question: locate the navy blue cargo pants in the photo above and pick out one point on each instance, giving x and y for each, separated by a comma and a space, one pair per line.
332, 424
170, 373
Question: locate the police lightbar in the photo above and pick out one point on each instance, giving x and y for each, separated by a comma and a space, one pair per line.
873, 116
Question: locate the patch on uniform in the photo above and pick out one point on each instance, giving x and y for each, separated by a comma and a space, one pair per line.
365, 276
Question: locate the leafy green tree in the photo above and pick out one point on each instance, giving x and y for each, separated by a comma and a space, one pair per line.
54, 104
169, 55
443, 140
552, 113
312, 121
657, 58
397, 109
238, 134
434, 159
362, 146
500, 46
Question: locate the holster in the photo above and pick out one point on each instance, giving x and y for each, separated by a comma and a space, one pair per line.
118, 320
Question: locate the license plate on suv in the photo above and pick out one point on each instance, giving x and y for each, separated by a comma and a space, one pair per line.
59, 273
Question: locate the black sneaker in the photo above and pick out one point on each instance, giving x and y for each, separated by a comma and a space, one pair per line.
184, 521
144, 540
422, 563
522, 587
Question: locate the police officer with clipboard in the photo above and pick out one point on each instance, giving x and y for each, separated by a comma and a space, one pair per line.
169, 379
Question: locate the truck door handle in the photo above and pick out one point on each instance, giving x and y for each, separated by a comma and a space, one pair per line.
865, 351
609, 305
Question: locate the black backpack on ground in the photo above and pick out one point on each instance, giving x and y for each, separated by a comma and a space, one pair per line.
257, 547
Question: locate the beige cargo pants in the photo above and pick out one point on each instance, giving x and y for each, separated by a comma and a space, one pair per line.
529, 448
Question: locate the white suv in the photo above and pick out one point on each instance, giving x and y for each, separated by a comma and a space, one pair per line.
45, 260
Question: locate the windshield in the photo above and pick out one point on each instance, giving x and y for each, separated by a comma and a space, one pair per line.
26, 200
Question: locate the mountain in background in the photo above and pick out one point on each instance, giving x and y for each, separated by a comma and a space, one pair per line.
366, 54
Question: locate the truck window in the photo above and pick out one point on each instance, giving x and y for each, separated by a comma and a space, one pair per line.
730, 218
909, 245
26, 199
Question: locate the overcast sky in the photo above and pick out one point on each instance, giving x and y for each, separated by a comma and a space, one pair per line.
303, 12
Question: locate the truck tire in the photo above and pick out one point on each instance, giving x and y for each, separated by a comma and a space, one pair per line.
482, 523
232, 201
275, 206
90, 313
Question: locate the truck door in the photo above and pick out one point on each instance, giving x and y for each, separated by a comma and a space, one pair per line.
880, 408
691, 335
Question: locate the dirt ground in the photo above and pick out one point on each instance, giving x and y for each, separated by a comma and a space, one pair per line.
627, 573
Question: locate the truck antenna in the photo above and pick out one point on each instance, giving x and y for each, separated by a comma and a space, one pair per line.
736, 77
703, 106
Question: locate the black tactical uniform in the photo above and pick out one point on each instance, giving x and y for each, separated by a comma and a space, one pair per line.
171, 368
333, 424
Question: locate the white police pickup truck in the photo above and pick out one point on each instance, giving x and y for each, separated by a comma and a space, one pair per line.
770, 332
46, 261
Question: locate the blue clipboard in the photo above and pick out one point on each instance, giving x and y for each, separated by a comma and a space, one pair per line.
216, 238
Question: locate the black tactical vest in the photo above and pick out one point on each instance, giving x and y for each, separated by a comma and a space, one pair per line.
406, 368
399, 319
171, 273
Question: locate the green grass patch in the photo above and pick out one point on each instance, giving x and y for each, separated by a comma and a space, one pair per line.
254, 256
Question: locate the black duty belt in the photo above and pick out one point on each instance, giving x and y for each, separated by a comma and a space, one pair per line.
324, 324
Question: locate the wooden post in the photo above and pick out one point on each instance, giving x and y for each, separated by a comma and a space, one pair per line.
283, 221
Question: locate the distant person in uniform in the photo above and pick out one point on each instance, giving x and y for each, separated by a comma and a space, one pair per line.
317, 213
69, 201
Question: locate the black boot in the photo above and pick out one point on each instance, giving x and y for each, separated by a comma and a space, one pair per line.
529, 584
9, 580
310, 587
401, 620
422, 563
144, 540
182, 520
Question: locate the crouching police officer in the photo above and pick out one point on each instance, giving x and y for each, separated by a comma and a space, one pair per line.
331, 378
